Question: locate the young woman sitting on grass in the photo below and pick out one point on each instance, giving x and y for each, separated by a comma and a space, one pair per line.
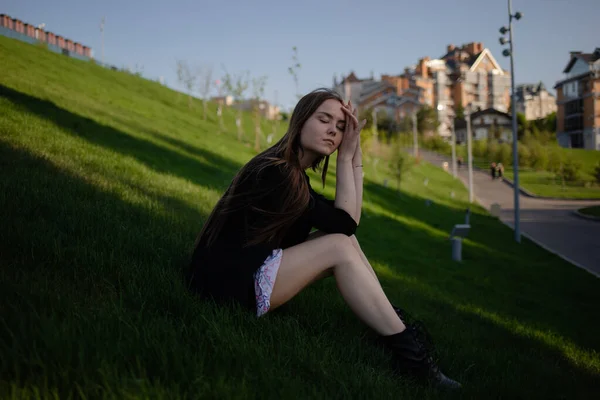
256, 247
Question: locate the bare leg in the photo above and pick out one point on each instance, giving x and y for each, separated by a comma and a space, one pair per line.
356, 245
363, 257
302, 264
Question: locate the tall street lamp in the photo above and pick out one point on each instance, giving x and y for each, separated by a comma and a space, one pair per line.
469, 150
102, 34
453, 143
507, 53
415, 136
450, 119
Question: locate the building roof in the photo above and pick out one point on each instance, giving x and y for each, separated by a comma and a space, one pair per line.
453, 64
461, 123
352, 78
530, 89
586, 57
372, 87
490, 111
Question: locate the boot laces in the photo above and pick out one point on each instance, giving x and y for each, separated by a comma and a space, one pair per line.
424, 339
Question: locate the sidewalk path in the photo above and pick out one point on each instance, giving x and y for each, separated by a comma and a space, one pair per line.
549, 223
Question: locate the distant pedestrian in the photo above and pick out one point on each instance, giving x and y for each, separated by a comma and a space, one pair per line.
500, 170
493, 170
460, 162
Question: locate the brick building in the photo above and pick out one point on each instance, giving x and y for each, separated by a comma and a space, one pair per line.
578, 101
464, 76
29, 33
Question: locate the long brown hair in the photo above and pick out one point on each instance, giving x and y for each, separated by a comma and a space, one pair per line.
285, 154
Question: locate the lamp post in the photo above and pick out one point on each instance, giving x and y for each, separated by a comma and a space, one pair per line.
102, 34
415, 137
469, 151
453, 138
510, 53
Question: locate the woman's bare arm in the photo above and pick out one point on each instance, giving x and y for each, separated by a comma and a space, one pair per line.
349, 185
345, 186
358, 181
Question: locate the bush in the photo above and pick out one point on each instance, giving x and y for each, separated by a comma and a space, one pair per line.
527, 138
366, 140
479, 148
539, 156
436, 143
492, 151
504, 154
555, 161
597, 173
524, 155
571, 169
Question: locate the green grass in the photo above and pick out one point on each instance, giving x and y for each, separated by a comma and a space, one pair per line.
593, 211
547, 184
106, 180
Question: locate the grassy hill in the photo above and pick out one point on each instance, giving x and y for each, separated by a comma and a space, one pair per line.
105, 181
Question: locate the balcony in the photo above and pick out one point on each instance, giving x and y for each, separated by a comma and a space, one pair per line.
574, 123
573, 108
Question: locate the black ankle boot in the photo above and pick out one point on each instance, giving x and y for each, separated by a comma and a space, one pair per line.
412, 355
401, 313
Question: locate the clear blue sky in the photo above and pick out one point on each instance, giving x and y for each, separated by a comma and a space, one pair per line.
332, 36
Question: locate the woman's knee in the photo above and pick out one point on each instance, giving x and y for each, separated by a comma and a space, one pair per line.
343, 248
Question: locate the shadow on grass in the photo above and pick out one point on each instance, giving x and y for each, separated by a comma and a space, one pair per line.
66, 242
496, 275
51, 214
215, 171
69, 243
488, 355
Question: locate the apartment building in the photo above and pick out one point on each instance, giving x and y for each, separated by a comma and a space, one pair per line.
351, 87
534, 101
578, 101
464, 76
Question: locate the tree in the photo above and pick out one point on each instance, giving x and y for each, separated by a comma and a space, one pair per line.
522, 125
293, 70
220, 104
597, 173
236, 86
400, 163
205, 85
550, 122
258, 91
187, 78
460, 112
427, 120
368, 115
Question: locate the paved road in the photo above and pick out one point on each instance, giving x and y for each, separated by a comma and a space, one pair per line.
550, 223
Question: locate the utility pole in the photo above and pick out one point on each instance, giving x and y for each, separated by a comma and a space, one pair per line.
506, 53
415, 138
514, 126
102, 34
453, 139
470, 153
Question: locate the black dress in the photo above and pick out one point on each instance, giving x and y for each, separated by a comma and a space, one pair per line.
225, 271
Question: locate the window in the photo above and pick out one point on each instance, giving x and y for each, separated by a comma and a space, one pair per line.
577, 140
574, 123
574, 107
